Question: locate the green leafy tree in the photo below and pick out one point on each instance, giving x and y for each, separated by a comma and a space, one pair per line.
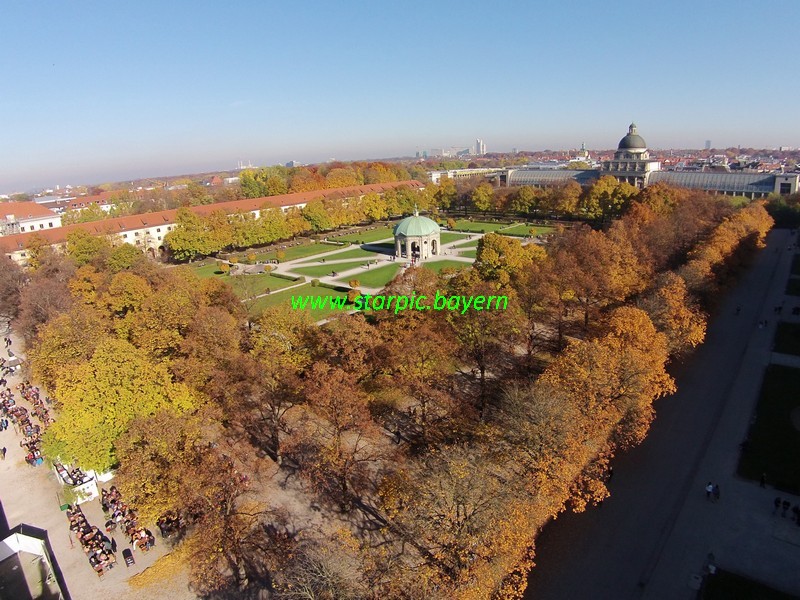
483, 197
124, 257
83, 247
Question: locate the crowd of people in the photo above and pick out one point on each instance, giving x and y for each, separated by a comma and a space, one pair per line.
13, 413
99, 549
121, 516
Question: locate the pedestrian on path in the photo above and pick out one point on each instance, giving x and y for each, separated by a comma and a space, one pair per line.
709, 490
716, 492
3, 453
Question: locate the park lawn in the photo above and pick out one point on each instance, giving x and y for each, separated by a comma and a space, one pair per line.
468, 253
256, 284
446, 237
438, 265
725, 585
478, 226
793, 286
352, 253
285, 296
296, 252
365, 237
787, 338
774, 442
524, 230
796, 265
473, 243
207, 271
325, 269
374, 278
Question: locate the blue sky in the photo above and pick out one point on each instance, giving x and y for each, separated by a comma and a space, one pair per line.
101, 91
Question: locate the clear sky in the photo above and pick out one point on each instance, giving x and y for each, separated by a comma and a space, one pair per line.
101, 91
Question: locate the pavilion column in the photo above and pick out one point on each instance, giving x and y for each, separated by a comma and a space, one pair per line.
397, 249
408, 249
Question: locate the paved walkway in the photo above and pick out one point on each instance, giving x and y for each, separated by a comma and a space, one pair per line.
652, 537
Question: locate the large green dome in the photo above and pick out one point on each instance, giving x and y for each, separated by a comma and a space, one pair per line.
632, 141
416, 226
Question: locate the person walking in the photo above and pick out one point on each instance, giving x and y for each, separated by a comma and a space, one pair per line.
709, 490
3, 453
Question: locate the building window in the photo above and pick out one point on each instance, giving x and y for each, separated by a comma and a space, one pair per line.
22, 229
158, 230
41, 225
136, 233
124, 235
23, 254
49, 224
159, 238
786, 188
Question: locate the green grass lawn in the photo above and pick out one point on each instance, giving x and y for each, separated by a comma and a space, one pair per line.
524, 230
325, 269
256, 284
365, 237
468, 253
285, 296
729, 586
296, 252
374, 278
793, 286
347, 254
478, 226
774, 442
787, 338
438, 265
206, 270
473, 243
796, 265
243, 284
446, 237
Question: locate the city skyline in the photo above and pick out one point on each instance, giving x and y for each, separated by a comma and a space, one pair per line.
102, 94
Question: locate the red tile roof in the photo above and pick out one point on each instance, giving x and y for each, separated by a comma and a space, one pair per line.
24, 210
58, 235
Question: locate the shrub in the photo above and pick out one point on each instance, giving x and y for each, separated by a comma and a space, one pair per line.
352, 295
354, 283
225, 268
280, 255
314, 282
234, 260
251, 258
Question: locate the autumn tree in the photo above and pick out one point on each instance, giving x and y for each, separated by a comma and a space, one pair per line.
171, 465
502, 258
99, 398
12, 280
483, 197
675, 313
83, 247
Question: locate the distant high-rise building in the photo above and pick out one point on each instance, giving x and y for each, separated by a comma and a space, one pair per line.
480, 147
708, 144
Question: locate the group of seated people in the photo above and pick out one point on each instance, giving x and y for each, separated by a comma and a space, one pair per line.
31, 432
98, 548
119, 514
169, 524
31, 394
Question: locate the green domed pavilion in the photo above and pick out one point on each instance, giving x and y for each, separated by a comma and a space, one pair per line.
416, 237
